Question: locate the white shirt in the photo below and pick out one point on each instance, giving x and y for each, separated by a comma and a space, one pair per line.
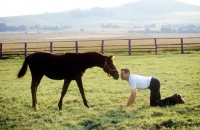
138, 81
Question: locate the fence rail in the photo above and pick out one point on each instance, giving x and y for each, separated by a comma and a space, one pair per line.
110, 45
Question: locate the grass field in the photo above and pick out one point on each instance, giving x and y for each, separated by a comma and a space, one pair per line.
178, 73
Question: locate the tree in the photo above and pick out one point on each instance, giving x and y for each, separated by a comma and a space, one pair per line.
81, 30
2, 27
191, 28
165, 30
21, 27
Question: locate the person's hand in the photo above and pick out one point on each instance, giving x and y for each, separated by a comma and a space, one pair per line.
125, 104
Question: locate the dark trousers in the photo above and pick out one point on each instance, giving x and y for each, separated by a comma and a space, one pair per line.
155, 91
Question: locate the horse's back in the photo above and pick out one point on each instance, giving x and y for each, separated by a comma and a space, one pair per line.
56, 66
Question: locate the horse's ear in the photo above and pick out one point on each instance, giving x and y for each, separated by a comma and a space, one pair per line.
112, 57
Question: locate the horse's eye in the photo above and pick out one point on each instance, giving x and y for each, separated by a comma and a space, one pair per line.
111, 65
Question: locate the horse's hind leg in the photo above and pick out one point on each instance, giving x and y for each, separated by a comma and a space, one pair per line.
80, 86
33, 92
34, 85
64, 90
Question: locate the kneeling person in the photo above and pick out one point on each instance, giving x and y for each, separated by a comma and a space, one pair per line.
148, 82
142, 82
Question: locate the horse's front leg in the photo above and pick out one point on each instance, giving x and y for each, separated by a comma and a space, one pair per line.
80, 86
64, 90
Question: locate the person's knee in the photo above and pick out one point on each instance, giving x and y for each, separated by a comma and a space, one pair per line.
154, 104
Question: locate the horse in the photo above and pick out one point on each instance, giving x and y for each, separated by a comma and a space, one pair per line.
68, 66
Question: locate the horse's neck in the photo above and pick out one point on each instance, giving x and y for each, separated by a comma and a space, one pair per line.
98, 61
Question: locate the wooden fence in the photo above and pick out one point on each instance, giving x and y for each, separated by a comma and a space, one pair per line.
130, 46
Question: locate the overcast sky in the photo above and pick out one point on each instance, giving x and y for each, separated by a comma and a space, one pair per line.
26, 7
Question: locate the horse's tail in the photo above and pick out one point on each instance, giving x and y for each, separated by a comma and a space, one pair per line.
23, 70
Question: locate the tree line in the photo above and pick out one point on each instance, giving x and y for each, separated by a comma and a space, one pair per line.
146, 28
4, 27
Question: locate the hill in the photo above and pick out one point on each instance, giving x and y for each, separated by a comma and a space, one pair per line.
127, 15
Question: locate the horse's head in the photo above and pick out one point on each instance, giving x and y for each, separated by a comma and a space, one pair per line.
110, 68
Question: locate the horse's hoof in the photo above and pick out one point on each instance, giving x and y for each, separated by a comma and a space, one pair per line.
60, 108
36, 107
89, 108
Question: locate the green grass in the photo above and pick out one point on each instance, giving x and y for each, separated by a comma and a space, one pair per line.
178, 73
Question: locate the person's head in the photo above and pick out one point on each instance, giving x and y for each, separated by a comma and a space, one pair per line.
125, 73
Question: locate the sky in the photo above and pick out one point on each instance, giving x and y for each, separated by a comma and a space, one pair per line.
29, 7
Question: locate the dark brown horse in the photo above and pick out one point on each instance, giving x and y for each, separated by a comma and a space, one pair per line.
69, 66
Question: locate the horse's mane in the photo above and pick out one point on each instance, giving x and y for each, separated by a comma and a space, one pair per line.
98, 53
84, 53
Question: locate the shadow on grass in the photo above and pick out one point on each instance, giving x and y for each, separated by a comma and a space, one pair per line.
112, 119
5, 58
119, 118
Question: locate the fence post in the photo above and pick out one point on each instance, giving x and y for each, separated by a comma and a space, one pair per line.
1, 54
51, 47
102, 46
25, 49
76, 44
156, 47
129, 46
182, 48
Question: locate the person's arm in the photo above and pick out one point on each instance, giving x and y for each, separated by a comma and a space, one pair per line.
132, 97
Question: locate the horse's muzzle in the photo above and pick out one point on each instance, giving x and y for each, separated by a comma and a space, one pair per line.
115, 76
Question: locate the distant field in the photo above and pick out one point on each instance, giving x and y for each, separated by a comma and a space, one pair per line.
118, 42
64, 36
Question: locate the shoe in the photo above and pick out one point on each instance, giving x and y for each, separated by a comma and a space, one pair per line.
177, 99
181, 100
